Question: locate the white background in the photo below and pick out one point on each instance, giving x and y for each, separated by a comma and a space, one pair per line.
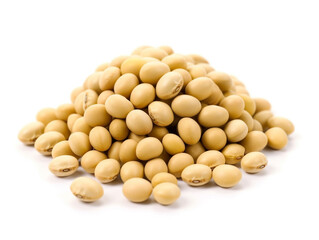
49, 47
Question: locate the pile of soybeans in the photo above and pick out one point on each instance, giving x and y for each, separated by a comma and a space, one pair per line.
154, 117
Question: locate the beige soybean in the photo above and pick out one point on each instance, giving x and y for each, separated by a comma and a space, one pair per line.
137, 189
262, 104
102, 67
133, 65
175, 61
58, 126
84, 100
62, 148
277, 138
93, 81
79, 143
197, 174
148, 148
125, 84
166, 193
173, 144
45, 143
153, 167
108, 78
103, 96
178, 163
213, 116
255, 141
118, 129
254, 162
200, 88
214, 139
226, 175
233, 153
96, 115
281, 122
158, 132
248, 119
128, 151
46, 115
64, 111
107, 170
151, 72
131, 169
30, 132
160, 113
163, 177
223, 80
211, 158
234, 104
169, 85
263, 117
75, 92
236, 130
63, 166
257, 126
91, 159
185, 74
72, 119
189, 130
142, 95
100, 139
117, 62
250, 104
154, 53
114, 150
186, 105
86, 189
197, 71
139, 122
118, 106
80, 125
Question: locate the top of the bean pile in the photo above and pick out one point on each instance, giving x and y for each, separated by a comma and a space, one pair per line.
153, 117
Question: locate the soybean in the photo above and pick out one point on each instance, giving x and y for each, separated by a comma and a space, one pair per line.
64, 165
139, 122
281, 122
137, 189
197, 174
277, 138
148, 148
178, 163
154, 167
86, 189
211, 158
30, 132
186, 106
45, 143
166, 193
107, 170
226, 175
90, 160
254, 162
